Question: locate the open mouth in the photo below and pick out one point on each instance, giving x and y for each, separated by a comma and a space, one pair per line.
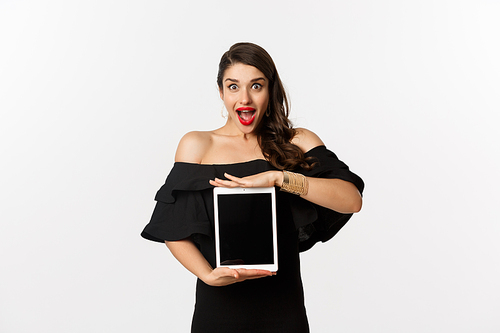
246, 115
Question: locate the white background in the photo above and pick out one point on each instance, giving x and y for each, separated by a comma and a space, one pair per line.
94, 96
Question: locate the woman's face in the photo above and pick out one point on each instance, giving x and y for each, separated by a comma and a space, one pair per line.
245, 93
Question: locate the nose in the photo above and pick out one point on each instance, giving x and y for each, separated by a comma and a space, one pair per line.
245, 97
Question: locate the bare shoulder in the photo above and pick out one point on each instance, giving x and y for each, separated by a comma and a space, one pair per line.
306, 139
193, 147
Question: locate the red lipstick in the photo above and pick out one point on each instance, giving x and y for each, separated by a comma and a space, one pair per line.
246, 115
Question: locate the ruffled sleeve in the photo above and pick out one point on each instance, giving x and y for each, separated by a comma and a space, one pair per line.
181, 204
316, 223
184, 204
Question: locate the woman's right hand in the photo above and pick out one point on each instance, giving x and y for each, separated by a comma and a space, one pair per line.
223, 276
190, 257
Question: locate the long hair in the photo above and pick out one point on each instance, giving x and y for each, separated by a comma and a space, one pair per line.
276, 131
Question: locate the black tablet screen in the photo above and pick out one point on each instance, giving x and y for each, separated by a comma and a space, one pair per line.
245, 229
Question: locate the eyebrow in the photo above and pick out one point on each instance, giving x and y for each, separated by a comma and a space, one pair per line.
253, 80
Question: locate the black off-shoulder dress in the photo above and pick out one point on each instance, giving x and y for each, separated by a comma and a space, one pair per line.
272, 304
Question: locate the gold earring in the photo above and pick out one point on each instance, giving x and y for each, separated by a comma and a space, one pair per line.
268, 111
222, 112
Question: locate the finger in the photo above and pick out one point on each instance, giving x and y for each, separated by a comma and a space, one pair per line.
224, 183
227, 276
249, 273
233, 178
240, 181
225, 272
219, 183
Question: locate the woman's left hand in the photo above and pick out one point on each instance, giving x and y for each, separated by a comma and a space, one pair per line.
263, 179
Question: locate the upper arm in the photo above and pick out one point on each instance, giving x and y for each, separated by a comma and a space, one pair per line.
192, 147
306, 140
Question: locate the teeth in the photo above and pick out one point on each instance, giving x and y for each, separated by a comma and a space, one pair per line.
246, 114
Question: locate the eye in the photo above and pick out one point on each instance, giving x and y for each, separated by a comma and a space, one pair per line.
232, 86
256, 86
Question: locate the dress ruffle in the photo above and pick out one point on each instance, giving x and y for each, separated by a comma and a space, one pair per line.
184, 205
316, 223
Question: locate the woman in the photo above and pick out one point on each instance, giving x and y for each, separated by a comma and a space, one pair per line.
257, 147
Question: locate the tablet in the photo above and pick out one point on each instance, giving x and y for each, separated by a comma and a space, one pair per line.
245, 228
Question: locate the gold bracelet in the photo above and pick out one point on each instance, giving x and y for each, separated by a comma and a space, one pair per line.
294, 183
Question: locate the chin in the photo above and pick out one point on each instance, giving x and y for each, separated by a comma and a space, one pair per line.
247, 130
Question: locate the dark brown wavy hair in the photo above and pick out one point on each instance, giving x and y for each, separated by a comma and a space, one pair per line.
275, 132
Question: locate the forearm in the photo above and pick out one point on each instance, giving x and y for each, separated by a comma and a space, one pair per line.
336, 194
190, 257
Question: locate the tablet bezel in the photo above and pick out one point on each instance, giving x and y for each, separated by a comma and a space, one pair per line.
243, 191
